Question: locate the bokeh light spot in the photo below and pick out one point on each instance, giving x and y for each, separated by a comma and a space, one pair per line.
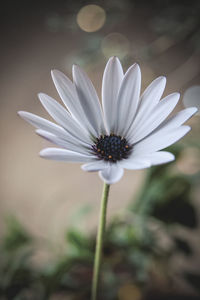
115, 44
129, 292
191, 97
91, 18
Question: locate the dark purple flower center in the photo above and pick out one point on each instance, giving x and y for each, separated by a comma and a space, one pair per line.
111, 147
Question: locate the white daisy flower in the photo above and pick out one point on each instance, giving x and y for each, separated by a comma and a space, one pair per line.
129, 130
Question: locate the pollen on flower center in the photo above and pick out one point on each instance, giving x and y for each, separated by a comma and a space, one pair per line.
111, 147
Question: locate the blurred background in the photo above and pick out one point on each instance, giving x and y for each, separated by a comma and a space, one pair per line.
49, 210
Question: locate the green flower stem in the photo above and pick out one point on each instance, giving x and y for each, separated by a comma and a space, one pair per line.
99, 241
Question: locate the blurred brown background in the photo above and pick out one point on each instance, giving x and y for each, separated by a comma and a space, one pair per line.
162, 36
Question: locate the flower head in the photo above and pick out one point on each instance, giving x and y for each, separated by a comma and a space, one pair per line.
129, 130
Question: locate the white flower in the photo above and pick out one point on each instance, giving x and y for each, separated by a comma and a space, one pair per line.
128, 134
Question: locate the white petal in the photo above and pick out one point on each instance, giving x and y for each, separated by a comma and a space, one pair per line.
155, 118
44, 124
112, 174
72, 144
62, 117
152, 94
160, 157
178, 119
112, 78
128, 99
64, 155
136, 163
95, 166
67, 91
89, 101
159, 139
140, 161
148, 101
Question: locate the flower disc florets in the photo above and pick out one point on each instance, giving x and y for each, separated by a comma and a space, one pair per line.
111, 147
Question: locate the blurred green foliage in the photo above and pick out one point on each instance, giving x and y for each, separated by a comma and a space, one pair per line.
167, 196
135, 256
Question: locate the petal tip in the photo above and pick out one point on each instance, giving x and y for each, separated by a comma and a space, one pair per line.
19, 113
188, 128
83, 167
114, 57
76, 70
53, 73
44, 153
56, 74
75, 66
41, 153
43, 98
134, 69
137, 67
163, 78
175, 95
173, 158
40, 96
22, 114
195, 109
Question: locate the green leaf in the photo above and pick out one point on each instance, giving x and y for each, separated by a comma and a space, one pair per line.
16, 236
